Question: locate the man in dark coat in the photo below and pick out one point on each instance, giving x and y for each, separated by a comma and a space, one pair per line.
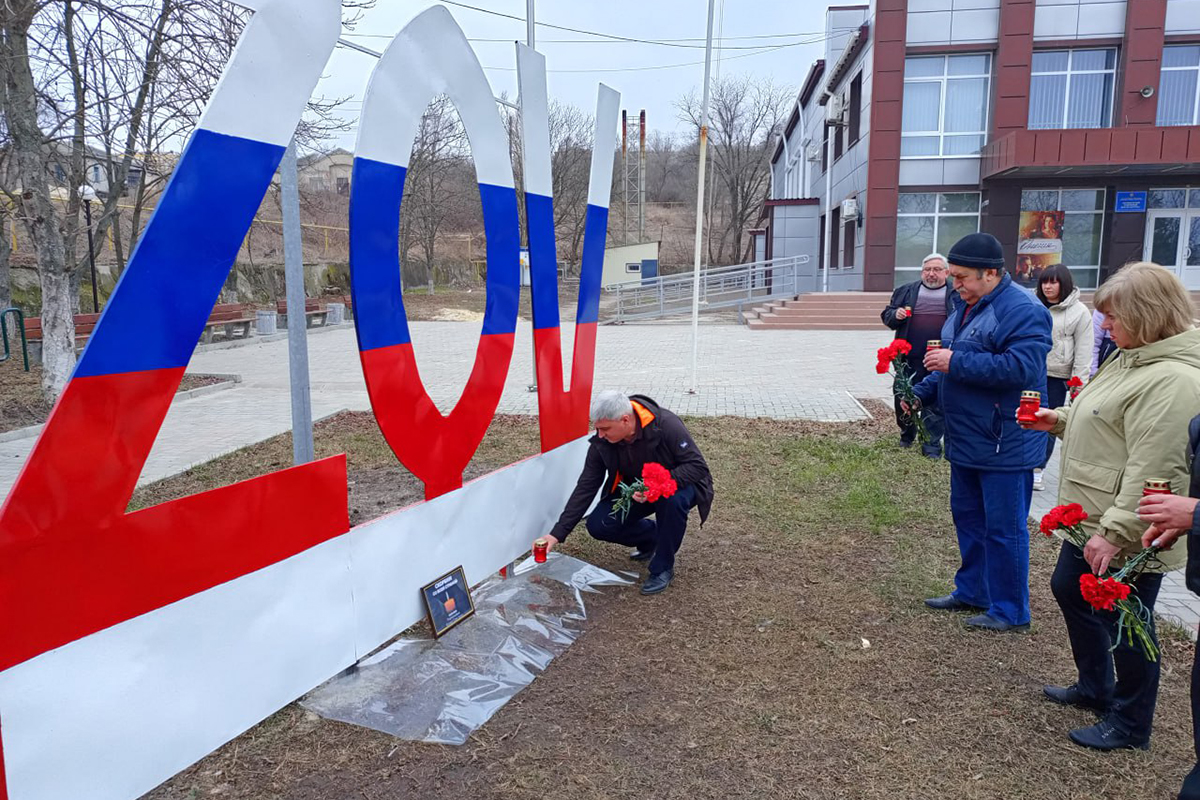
1172, 516
994, 346
631, 432
916, 313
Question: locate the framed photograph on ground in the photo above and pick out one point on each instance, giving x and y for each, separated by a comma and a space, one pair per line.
448, 601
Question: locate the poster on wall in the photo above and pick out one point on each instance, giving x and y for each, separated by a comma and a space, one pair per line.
1039, 245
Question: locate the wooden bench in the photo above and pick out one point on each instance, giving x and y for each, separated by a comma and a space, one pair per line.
315, 312
229, 318
84, 325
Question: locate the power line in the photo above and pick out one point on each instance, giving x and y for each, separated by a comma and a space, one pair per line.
758, 52
613, 36
660, 42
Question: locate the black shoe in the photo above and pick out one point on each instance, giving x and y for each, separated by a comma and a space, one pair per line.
639, 554
657, 582
1105, 736
990, 623
1072, 696
950, 603
906, 444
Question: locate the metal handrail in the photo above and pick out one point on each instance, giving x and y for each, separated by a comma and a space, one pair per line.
16, 312
720, 287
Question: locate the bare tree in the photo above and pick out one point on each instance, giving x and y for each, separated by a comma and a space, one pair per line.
571, 133
107, 86
434, 183
744, 112
34, 207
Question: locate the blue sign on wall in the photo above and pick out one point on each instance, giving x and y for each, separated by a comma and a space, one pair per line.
1130, 203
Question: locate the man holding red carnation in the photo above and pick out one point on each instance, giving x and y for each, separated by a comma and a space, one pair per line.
994, 346
636, 439
916, 313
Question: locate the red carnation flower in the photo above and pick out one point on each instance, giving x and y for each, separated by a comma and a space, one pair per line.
1102, 594
1075, 382
658, 481
901, 347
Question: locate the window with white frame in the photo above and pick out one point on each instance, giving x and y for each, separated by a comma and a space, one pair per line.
1072, 88
945, 111
1179, 86
931, 222
1082, 231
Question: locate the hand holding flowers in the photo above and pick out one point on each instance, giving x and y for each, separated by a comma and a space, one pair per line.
895, 357
1108, 592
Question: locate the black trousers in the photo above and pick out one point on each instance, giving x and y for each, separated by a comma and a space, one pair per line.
1134, 692
1191, 784
1056, 395
663, 534
934, 424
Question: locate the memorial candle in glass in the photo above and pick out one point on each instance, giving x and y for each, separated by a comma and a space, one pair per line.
1153, 486
1030, 403
539, 551
933, 344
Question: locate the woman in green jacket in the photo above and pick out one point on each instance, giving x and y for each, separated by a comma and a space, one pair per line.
1122, 430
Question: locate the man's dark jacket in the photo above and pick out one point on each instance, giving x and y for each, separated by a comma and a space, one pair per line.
663, 440
1192, 572
906, 295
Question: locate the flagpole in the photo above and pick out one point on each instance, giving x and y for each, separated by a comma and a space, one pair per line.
700, 199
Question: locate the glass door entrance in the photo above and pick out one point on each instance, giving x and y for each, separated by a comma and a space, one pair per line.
1173, 233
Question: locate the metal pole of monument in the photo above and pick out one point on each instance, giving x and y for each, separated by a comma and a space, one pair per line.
293, 270
700, 199
530, 38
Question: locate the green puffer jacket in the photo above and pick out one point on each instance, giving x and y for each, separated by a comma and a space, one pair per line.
1129, 425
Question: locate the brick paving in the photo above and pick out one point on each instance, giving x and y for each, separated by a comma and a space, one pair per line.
783, 375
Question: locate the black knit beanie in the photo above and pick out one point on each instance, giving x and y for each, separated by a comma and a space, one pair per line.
977, 251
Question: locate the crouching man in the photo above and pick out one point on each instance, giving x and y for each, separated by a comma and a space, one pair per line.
631, 432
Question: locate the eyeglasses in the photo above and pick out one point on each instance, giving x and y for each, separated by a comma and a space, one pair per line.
934, 269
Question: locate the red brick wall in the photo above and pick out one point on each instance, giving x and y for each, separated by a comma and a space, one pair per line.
1014, 55
1141, 59
883, 169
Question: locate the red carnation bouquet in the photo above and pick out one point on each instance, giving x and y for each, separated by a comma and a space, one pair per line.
1075, 384
1111, 592
656, 483
894, 356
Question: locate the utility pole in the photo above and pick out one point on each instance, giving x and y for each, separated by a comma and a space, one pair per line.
642, 177
293, 270
700, 200
529, 40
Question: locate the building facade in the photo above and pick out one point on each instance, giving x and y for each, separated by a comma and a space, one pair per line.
1069, 129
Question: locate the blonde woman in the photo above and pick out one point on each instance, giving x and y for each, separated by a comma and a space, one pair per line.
1122, 430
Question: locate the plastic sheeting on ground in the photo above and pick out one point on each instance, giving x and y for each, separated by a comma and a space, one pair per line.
441, 690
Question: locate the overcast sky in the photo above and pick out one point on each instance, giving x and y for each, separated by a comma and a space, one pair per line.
794, 27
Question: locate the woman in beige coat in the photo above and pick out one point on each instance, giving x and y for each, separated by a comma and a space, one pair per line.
1071, 353
1122, 430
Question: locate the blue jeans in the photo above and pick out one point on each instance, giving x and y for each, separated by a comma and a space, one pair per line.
1134, 692
663, 534
990, 510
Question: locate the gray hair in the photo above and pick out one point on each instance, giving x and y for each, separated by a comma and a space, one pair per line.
610, 405
932, 256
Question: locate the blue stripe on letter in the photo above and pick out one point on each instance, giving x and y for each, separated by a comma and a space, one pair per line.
158, 310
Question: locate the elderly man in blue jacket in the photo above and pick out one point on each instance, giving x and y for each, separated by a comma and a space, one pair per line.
994, 346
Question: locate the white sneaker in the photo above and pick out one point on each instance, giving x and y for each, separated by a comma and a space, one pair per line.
1037, 480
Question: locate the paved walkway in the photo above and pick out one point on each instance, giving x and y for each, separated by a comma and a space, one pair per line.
779, 374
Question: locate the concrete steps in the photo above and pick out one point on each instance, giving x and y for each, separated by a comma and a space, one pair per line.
834, 311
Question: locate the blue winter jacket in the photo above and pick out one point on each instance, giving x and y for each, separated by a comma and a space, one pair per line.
999, 352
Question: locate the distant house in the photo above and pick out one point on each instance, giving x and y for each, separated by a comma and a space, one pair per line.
326, 172
95, 169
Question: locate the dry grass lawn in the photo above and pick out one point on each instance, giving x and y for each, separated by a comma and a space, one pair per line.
791, 658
